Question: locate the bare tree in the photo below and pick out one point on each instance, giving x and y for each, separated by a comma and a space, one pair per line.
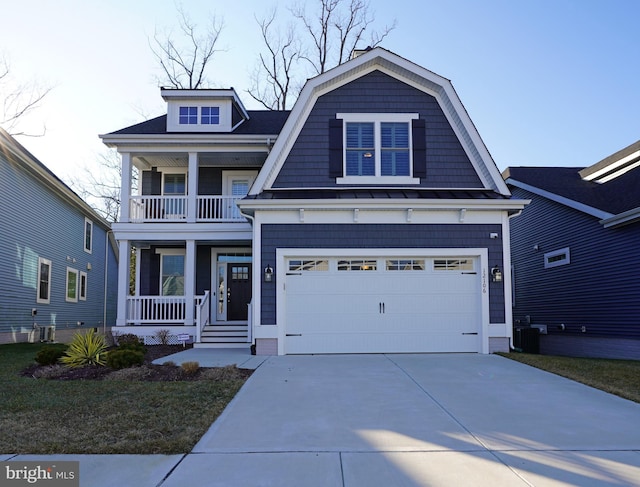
101, 188
326, 39
184, 62
18, 99
273, 76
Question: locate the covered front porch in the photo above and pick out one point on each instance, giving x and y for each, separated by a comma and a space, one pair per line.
185, 288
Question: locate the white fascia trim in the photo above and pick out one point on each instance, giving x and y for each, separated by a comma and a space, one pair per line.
177, 232
410, 73
622, 218
161, 141
341, 204
615, 168
589, 210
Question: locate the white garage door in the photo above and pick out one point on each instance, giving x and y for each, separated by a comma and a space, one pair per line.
382, 305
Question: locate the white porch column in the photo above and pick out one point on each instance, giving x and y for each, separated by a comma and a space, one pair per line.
192, 189
190, 281
123, 281
125, 188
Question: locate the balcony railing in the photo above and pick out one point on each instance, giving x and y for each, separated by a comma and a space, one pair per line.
147, 208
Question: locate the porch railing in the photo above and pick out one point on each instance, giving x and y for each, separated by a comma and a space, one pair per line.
218, 208
203, 314
209, 208
158, 208
169, 310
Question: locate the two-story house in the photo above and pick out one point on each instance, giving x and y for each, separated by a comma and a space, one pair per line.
371, 218
58, 269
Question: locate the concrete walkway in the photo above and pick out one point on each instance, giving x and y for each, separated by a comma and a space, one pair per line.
398, 420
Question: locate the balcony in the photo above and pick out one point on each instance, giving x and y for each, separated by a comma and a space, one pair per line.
147, 208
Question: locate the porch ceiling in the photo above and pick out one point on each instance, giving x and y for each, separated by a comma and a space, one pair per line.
177, 159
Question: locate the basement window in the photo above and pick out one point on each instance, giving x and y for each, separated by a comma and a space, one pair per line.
557, 258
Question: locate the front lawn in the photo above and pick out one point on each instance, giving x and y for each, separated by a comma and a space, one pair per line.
42, 416
619, 377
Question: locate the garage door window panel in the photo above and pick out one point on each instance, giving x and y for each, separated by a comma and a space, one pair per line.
405, 265
308, 265
357, 265
462, 264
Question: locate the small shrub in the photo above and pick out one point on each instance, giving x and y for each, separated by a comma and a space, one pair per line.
136, 347
169, 363
128, 339
85, 349
162, 336
123, 358
49, 354
190, 368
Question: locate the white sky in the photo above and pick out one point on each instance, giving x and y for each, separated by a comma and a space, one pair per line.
546, 82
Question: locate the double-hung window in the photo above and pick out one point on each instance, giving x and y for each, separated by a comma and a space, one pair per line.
377, 148
44, 281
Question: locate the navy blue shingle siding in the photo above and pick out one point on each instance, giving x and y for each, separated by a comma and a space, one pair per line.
598, 289
308, 162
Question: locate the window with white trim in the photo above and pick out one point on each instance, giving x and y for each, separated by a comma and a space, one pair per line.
377, 148
188, 116
83, 286
72, 285
44, 281
557, 258
88, 235
171, 272
210, 115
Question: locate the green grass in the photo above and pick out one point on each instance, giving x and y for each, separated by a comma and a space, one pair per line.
619, 377
42, 416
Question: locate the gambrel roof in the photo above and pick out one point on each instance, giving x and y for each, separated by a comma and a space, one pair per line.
396, 67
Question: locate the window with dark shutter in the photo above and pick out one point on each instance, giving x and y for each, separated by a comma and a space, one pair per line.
335, 148
418, 136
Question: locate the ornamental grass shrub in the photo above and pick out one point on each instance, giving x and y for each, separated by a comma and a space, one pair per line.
85, 349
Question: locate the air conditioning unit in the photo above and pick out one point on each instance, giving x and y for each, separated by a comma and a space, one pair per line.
47, 333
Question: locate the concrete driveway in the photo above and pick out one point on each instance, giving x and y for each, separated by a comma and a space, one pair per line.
397, 420
415, 420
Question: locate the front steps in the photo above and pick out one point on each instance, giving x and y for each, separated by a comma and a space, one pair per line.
228, 335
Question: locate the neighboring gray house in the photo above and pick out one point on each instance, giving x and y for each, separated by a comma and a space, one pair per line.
369, 219
575, 255
58, 268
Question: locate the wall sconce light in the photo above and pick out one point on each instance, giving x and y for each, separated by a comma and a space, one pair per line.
496, 274
268, 274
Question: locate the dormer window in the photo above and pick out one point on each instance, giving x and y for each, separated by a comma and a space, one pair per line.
188, 115
203, 111
210, 116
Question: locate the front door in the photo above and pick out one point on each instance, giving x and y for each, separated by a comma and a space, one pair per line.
238, 290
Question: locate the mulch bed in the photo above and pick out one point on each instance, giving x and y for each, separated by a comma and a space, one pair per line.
146, 372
